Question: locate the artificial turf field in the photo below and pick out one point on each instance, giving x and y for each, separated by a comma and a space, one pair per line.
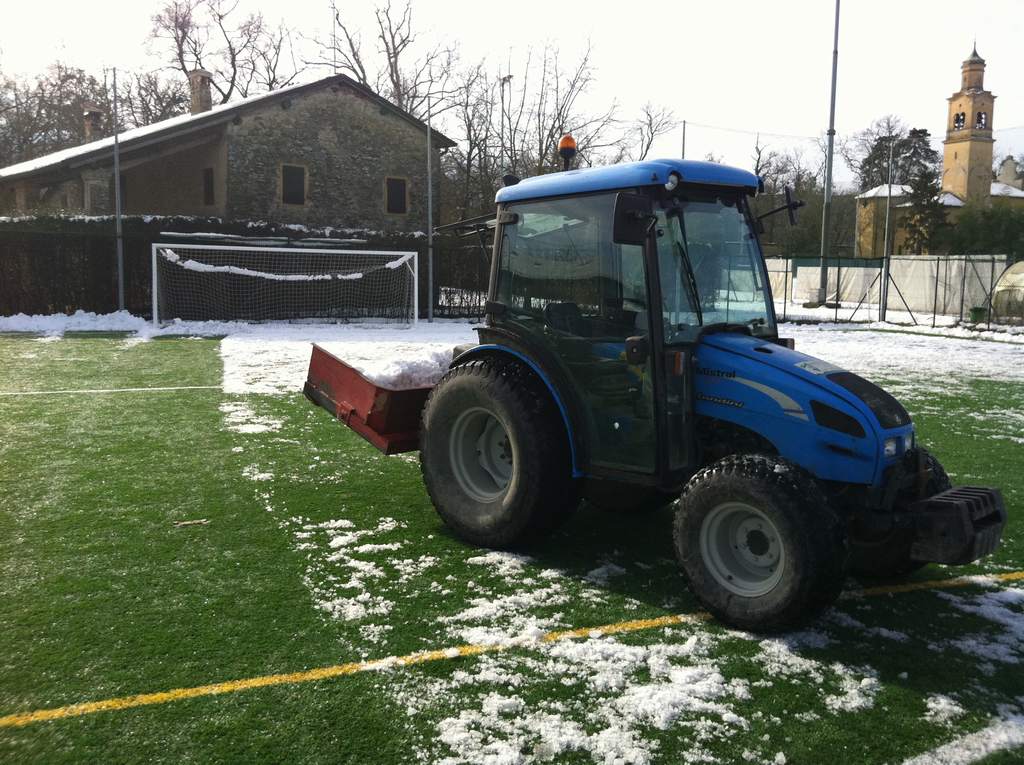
318, 551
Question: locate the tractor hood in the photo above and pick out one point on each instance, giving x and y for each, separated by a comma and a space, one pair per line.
799, 403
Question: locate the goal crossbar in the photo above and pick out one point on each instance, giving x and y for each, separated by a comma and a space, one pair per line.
176, 253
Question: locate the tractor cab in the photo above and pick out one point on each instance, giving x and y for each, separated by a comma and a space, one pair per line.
607, 279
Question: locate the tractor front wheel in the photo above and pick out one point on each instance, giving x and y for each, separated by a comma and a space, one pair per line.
495, 455
758, 542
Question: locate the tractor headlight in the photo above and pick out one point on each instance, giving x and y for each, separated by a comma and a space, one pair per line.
908, 441
890, 447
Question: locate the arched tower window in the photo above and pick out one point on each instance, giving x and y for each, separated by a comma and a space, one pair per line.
981, 121
959, 119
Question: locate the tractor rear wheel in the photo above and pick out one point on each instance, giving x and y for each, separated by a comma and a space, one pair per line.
758, 542
886, 555
494, 454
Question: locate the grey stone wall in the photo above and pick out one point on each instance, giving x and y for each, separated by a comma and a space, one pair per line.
348, 146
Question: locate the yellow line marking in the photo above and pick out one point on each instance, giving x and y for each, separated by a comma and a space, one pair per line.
937, 584
422, 657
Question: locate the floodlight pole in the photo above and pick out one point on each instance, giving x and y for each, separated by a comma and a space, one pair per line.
826, 215
117, 204
430, 221
684, 139
883, 300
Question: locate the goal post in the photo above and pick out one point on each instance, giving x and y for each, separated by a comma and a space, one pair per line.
200, 282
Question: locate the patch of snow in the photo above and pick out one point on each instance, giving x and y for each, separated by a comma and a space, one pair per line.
858, 691
942, 709
253, 473
275, 359
240, 417
1000, 736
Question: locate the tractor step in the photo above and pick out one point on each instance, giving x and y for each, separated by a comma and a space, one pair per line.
957, 526
388, 418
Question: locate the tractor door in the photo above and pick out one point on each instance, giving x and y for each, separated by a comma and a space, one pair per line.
570, 290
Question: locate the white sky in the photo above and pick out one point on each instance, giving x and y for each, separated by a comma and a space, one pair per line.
743, 64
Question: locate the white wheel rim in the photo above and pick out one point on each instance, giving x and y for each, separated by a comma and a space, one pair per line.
742, 549
481, 455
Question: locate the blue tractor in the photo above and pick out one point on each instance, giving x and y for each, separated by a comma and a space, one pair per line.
630, 357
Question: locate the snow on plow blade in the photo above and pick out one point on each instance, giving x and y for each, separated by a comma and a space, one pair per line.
387, 418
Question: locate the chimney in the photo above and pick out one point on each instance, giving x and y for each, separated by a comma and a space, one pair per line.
199, 83
92, 113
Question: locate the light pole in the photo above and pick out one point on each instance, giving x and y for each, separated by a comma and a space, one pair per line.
117, 203
886, 249
826, 215
430, 218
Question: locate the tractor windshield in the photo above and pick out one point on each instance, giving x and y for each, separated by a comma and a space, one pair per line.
710, 265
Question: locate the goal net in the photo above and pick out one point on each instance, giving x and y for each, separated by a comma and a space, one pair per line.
195, 282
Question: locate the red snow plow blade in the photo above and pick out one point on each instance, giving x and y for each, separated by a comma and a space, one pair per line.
388, 419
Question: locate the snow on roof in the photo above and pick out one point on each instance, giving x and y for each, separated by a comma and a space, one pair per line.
134, 134
898, 190
1006, 190
213, 116
946, 198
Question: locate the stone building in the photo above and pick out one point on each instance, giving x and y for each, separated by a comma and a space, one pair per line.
966, 168
325, 153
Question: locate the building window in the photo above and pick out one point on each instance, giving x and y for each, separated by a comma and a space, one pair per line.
396, 192
208, 197
293, 184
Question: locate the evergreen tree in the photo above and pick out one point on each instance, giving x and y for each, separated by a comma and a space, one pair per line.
994, 230
927, 216
912, 153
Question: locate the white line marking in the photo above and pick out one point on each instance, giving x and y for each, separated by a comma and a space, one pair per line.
108, 390
998, 737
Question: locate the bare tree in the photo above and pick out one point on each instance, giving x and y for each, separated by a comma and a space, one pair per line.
542, 103
45, 114
474, 164
860, 150
406, 73
147, 98
653, 122
242, 52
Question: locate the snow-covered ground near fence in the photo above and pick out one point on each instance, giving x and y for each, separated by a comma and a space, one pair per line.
273, 357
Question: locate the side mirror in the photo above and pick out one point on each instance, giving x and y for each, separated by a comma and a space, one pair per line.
632, 218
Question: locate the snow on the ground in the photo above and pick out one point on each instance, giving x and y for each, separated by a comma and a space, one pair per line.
1001, 735
867, 315
239, 417
276, 359
614, 698
942, 709
909, 364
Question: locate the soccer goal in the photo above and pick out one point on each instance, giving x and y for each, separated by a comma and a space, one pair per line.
197, 282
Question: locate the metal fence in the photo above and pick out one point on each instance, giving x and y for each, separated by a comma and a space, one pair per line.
935, 290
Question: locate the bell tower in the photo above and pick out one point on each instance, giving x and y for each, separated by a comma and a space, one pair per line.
967, 156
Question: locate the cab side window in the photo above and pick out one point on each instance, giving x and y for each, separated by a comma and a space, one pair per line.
559, 267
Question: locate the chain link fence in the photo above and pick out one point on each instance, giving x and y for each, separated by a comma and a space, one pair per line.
934, 290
